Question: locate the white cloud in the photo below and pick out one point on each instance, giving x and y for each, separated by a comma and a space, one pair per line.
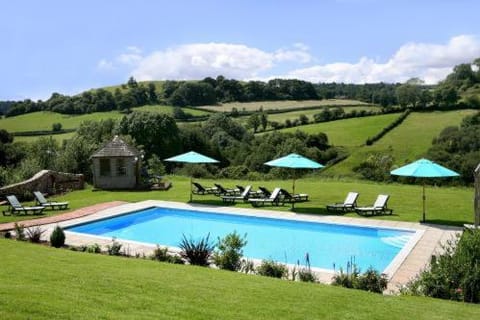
430, 62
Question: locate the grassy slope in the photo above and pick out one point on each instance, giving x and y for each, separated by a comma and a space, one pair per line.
407, 142
46, 283
58, 137
267, 105
348, 132
444, 205
43, 120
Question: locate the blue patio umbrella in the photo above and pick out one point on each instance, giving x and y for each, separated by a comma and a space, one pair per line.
294, 161
191, 157
424, 168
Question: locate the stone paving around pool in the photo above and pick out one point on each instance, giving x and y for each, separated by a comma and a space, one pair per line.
427, 241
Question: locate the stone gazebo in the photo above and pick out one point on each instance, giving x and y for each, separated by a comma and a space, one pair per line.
116, 166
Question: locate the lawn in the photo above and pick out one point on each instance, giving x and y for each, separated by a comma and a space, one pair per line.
43, 120
446, 205
292, 115
408, 142
348, 132
58, 137
282, 104
46, 283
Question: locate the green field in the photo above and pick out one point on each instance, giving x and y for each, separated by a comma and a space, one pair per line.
58, 137
446, 205
46, 283
408, 142
269, 105
348, 132
43, 120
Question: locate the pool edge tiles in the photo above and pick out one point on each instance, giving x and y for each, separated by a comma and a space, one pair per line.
391, 268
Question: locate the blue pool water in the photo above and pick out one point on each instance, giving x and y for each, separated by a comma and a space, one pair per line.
282, 240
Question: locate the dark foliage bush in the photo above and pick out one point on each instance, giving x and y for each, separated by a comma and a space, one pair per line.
371, 280
270, 268
57, 238
229, 254
453, 275
196, 252
94, 248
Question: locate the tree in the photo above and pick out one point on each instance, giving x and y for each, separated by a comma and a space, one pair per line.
132, 83
264, 120
157, 133
193, 94
152, 94
253, 121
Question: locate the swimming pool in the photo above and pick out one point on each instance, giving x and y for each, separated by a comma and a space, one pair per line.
282, 240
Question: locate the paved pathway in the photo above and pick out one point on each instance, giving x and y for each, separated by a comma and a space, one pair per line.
62, 217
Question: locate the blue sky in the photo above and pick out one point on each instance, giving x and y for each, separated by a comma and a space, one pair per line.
61, 46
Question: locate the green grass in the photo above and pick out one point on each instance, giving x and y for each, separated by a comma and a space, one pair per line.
46, 283
43, 120
348, 132
58, 137
282, 104
446, 205
408, 142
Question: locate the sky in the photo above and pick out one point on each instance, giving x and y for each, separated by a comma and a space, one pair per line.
70, 46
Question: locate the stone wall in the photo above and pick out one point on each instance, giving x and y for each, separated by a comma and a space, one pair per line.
45, 181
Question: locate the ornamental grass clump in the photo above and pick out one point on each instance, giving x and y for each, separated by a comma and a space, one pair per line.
34, 234
161, 254
196, 252
57, 238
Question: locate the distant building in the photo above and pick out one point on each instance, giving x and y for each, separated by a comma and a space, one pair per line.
116, 166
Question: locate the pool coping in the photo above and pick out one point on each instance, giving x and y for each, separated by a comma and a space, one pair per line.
412, 258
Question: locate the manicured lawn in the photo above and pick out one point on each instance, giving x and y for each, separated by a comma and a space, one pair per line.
282, 104
46, 283
450, 205
408, 142
348, 132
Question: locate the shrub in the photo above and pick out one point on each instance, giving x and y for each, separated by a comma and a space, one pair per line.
453, 275
372, 281
114, 249
94, 248
196, 252
247, 266
57, 238
270, 268
19, 231
161, 254
57, 127
34, 234
230, 251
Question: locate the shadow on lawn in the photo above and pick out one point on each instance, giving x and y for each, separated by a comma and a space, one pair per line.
446, 222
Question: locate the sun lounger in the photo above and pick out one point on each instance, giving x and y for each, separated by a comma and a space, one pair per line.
199, 189
16, 207
266, 193
349, 204
221, 191
274, 199
40, 199
298, 197
379, 207
243, 196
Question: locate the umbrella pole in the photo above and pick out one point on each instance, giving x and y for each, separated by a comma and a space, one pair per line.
423, 197
191, 189
293, 194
